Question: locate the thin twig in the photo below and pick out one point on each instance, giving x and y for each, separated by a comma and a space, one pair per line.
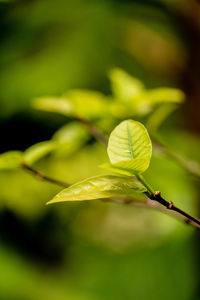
94, 131
189, 165
170, 205
156, 196
41, 176
155, 205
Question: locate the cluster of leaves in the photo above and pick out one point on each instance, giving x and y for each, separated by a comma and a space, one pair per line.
91, 113
66, 140
129, 99
129, 150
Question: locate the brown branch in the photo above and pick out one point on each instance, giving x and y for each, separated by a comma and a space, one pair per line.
170, 205
155, 205
41, 176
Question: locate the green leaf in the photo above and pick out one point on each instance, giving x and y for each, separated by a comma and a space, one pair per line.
69, 132
126, 167
53, 104
129, 147
38, 151
124, 86
115, 169
87, 104
147, 100
78, 103
162, 95
10, 160
99, 187
70, 137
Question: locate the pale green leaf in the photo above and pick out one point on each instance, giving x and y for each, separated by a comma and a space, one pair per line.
130, 141
10, 160
99, 187
87, 104
162, 95
53, 104
70, 138
166, 95
69, 132
77, 103
147, 100
38, 151
126, 167
113, 168
124, 86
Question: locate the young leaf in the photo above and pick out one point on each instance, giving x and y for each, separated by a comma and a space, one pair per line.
79, 103
53, 104
10, 160
129, 147
70, 132
145, 102
99, 187
70, 137
126, 167
38, 151
87, 104
160, 95
124, 86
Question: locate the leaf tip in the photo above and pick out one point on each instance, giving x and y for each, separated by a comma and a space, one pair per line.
48, 202
52, 201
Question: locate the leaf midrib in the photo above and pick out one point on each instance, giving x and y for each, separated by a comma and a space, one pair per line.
130, 142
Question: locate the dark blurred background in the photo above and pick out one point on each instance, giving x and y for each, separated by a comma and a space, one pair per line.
95, 250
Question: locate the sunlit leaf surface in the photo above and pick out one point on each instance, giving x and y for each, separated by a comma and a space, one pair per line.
126, 167
130, 147
99, 187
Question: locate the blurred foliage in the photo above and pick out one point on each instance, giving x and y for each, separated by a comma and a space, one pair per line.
92, 250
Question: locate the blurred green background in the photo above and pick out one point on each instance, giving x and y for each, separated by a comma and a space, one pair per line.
95, 250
